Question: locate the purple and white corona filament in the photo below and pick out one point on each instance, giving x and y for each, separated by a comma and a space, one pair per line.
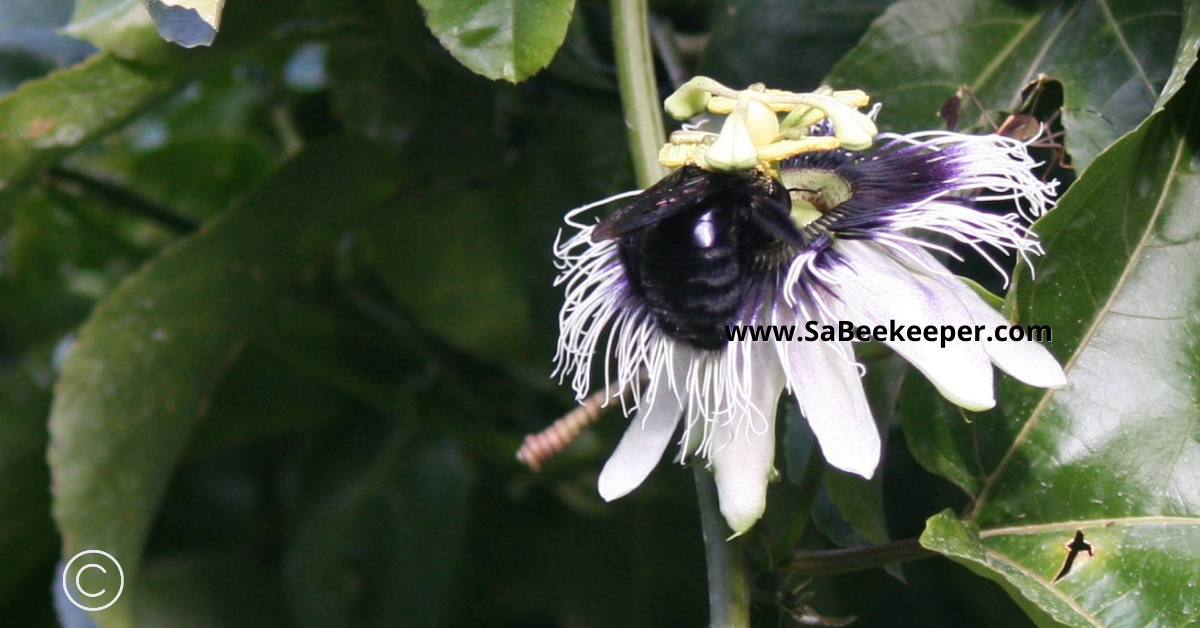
826, 235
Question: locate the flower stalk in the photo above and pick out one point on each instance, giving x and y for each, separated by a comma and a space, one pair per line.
728, 589
835, 561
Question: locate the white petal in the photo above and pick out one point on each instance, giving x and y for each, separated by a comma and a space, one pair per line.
877, 290
830, 392
1025, 360
643, 444
744, 456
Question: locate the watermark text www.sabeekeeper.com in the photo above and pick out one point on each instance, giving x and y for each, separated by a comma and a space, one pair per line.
846, 331
93, 580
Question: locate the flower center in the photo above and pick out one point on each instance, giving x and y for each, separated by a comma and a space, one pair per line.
814, 191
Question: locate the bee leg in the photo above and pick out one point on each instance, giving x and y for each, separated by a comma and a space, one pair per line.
773, 216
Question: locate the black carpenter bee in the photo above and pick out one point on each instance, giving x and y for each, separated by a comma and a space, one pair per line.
690, 244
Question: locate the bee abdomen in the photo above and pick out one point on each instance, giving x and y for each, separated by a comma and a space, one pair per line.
691, 276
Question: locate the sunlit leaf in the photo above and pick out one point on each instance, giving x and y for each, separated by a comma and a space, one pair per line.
121, 27
148, 359
1185, 56
47, 118
1115, 454
500, 39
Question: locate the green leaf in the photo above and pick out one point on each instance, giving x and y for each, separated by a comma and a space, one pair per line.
1185, 56
382, 545
961, 542
799, 444
39, 302
373, 92
189, 23
786, 44
859, 501
147, 360
263, 396
1113, 57
469, 255
200, 177
50, 117
1115, 454
446, 258
934, 428
500, 39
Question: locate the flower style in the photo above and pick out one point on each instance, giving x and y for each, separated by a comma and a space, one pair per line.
827, 235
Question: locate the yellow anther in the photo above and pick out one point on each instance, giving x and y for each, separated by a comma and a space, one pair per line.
783, 149
676, 155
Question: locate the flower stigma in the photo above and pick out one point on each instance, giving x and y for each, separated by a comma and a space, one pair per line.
752, 135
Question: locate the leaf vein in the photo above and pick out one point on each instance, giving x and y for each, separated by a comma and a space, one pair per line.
1070, 526
1102, 313
1000, 59
1124, 44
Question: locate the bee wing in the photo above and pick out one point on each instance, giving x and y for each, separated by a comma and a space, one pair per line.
679, 191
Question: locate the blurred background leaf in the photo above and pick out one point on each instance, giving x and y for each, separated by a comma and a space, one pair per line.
383, 540
49, 117
28, 543
30, 45
143, 369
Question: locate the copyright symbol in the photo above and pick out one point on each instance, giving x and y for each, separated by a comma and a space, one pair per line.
98, 579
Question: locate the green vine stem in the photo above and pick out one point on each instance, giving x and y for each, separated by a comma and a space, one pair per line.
728, 588
639, 93
856, 559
